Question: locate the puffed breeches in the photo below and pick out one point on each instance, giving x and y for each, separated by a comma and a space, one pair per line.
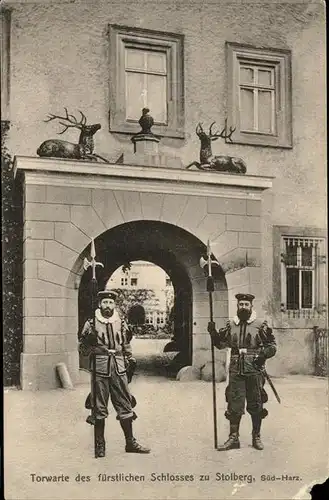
115, 387
242, 388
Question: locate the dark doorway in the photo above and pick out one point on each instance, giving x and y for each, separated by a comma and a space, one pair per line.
136, 315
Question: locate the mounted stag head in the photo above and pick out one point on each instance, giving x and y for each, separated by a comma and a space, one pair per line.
218, 163
63, 149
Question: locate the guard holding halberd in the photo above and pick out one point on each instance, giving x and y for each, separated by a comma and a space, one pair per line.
251, 342
108, 343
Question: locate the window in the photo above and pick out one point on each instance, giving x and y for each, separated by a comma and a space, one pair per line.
160, 318
149, 318
133, 281
259, 95
302, 259
124, 281
146, 71
168, 282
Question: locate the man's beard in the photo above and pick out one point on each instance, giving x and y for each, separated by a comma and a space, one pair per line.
244, 314
107, 312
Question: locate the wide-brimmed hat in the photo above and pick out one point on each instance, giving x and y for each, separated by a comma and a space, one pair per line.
107, 294
244, 296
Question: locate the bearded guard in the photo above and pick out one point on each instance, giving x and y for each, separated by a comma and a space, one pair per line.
109, 343
251, 342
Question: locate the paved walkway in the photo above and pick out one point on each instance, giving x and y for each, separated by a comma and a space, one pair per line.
46, 435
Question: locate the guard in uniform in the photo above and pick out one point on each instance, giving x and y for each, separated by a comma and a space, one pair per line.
110, 342
251, 342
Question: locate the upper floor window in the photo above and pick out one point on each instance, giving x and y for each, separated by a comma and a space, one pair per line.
133, 281
302, 259
146, 71
160, 318
259, 95
168, 282
124, 281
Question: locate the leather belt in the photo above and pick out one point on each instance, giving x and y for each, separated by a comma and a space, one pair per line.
237, 352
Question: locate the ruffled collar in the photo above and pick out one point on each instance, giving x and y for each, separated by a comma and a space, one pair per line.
101, 319
252, 318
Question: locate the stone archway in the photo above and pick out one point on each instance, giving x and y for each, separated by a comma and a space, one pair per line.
66, 203
173, 249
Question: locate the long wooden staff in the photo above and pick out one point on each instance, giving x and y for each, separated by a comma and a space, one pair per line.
210, 290
94, 289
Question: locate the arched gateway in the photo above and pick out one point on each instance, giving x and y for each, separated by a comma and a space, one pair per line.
133, 212
173, 249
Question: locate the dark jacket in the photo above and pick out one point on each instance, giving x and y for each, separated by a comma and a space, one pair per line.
251, 343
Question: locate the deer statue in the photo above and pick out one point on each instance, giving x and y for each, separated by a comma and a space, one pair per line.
220, 163
63, 149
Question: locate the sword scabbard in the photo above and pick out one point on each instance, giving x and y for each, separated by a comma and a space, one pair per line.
271, 385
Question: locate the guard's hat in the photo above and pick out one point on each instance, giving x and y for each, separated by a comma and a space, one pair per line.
245, 296
107, 294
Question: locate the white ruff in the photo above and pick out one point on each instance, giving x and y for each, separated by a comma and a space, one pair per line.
252, 318
115, 317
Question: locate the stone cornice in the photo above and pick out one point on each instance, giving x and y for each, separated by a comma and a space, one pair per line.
61, 172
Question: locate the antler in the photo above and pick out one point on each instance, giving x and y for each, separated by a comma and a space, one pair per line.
224, 134
198, 129
73, 122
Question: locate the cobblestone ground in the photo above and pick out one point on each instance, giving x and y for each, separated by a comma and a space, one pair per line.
46, 435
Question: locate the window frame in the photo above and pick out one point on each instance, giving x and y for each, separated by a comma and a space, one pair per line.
314, 269
279, 61
173, 44
133, 281
320, 271
124, 281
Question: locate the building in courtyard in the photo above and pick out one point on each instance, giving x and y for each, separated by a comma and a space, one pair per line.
147, 277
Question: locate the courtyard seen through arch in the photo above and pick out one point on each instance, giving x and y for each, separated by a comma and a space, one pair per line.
169, 257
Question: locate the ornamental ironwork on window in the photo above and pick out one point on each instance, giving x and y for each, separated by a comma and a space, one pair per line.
302, 279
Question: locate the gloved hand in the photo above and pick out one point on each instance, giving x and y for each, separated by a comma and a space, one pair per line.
259, 361
212, 328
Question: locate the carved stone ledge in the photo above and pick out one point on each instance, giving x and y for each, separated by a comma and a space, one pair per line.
62, 172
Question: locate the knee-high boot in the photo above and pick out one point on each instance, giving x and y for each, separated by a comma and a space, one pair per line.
132, 446
100, 440
256, 425
233, 441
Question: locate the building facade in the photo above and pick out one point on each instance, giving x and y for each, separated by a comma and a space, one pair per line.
261, 67
146, 276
